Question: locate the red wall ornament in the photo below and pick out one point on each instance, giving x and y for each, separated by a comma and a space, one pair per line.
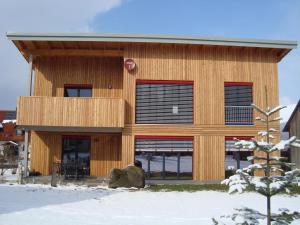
129, 64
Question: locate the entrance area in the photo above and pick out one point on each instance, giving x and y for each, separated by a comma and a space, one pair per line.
76, 156
165, 157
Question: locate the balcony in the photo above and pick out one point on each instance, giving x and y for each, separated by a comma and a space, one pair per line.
238, 115
70, 114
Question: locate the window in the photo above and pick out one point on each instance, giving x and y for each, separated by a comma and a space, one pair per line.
19, 132
235, 158
164, 102
76, 151
238, 100
165, 157
78, 90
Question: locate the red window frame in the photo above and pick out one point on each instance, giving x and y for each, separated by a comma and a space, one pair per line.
238, 83
138, 81
239, 137
82, 86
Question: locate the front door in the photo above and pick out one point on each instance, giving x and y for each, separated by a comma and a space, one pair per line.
76, 153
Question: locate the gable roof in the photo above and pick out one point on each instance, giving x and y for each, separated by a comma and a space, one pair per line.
287, 125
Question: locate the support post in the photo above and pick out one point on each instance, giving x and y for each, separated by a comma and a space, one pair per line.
26, 154
164, 166
30, 75
26, 144
238, 160
178, 165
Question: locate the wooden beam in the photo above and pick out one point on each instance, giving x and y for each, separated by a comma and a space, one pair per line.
76, 52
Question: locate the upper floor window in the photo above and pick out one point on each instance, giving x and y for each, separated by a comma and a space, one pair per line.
238, 100
78, 90
164, 102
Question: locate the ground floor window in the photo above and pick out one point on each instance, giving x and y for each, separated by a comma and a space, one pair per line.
76, 155
165, 157
235, 158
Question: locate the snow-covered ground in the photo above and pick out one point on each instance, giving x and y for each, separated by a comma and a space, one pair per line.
71, 205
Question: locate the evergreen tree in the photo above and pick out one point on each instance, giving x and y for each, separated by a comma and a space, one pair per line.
274, 179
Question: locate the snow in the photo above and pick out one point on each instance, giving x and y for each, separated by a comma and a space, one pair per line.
68, 205
276, 109
9, 121
287, 112
9, 176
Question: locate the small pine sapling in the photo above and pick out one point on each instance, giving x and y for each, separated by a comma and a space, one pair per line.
274, 179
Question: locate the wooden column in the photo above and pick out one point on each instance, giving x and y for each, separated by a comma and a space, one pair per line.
27, 131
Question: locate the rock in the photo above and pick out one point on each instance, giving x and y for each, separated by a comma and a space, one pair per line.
132, 176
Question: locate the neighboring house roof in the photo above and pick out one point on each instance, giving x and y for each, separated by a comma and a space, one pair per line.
141, 38
7, 116
11, 143
287, 125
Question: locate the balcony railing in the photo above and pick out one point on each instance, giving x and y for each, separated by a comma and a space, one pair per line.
37, 111
238, 115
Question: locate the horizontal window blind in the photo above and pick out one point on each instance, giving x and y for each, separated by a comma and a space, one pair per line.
238, 100
238, 95
164, 103
163, 145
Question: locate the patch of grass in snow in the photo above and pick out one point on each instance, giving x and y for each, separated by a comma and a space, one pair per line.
187, 187
295, 190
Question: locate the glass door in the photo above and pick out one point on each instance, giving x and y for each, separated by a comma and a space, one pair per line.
76, 155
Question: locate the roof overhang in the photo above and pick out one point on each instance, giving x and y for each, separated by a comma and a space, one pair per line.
285, 46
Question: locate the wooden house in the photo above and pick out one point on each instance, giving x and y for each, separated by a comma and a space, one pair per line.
173, 102
293, 127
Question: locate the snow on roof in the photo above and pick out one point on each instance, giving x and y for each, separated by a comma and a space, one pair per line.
287, 112
14, 143
9, 121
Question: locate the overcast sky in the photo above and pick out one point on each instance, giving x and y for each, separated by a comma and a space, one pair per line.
266, 19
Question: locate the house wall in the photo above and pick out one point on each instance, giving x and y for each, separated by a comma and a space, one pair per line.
208, 67
46, 148
105, 74
295, 131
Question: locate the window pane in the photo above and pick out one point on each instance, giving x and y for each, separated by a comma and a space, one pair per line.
238, 109
85, 93
165, 158
186, 165
71, 92
235, 158
171, 165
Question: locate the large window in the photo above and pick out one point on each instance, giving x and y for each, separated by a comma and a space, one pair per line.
165, 157
76, 152
164, 102
235, 158
78, 90
238, 100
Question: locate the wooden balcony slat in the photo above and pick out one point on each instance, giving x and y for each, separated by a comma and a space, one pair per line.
70, 112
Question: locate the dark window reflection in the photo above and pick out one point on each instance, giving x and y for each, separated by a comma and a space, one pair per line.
78, 92
166, 165
77, 150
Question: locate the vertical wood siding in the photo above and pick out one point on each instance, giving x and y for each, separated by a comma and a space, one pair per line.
208, 66
46, 148
52, 73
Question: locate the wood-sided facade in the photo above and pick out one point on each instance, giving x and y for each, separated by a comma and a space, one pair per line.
209, 67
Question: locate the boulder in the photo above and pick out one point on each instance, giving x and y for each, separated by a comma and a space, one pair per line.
132, 176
